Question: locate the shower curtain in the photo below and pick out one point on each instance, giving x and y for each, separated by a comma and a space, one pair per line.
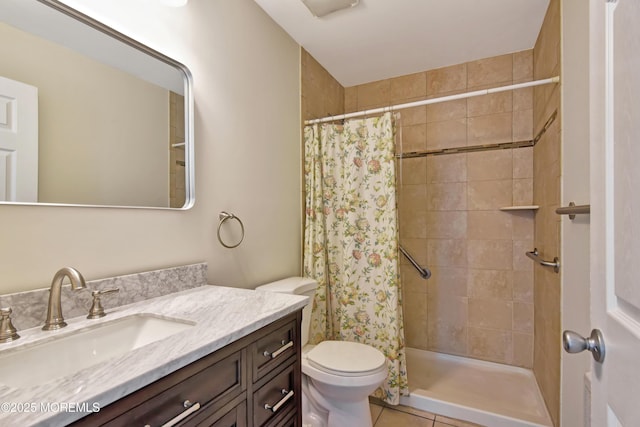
351, 240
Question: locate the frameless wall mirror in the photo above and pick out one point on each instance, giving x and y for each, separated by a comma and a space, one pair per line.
89, 116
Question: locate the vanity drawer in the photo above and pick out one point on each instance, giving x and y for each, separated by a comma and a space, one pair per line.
213, 386
273, 349
278, 396
210, 382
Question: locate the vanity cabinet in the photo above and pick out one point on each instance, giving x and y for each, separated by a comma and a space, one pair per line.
255, 381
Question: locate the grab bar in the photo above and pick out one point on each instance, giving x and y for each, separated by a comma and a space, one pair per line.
536, 257
572, 210
424, 272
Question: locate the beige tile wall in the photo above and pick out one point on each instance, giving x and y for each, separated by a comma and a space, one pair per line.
321, 94
177, 177
479, 302
546, 193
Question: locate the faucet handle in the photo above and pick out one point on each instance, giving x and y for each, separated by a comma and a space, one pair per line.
7, 331
97, 311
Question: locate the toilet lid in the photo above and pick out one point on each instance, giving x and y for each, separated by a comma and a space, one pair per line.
350, 358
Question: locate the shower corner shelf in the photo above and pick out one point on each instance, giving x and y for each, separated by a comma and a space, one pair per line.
520, 208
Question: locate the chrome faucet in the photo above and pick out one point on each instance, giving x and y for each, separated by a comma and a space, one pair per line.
54, 310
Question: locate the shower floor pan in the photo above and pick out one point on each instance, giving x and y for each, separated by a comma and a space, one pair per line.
486, 393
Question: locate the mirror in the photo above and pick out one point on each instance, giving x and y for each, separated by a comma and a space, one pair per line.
89, 116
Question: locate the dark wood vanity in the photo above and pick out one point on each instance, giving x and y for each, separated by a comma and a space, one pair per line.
254, 381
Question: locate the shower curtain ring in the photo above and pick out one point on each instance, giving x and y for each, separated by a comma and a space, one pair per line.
223, 217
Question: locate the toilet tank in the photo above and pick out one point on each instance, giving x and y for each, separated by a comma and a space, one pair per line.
296, 286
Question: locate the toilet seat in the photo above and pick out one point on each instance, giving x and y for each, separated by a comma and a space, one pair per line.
371, 375
340, 380
349, 359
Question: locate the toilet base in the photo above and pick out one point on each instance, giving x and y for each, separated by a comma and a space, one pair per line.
319, 411
353, 414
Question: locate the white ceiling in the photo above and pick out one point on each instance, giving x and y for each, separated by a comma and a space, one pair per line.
379, 39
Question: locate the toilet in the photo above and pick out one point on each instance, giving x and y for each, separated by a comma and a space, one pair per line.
337, 376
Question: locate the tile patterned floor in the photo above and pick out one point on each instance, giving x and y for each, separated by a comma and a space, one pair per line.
400, 416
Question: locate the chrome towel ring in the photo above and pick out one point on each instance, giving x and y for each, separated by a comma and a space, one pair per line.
223, 217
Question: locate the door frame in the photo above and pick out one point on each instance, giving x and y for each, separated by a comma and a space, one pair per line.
575, 234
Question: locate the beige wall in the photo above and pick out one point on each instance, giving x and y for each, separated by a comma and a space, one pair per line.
247, 148
546, 193
86, 127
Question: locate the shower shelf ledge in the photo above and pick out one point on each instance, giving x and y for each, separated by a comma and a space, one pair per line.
520, 208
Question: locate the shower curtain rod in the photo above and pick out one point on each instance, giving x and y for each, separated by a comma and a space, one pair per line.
374, 111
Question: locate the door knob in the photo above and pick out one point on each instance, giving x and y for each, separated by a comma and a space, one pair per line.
575, 343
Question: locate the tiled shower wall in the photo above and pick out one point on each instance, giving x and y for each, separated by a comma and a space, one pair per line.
177, 178
479, 302
321, 94
546, 193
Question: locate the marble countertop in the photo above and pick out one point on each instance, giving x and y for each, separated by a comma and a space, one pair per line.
221, 315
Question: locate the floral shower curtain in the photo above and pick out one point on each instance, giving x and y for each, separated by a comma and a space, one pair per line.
351, 240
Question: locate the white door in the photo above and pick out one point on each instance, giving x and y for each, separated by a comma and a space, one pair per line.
18, 141
615, 209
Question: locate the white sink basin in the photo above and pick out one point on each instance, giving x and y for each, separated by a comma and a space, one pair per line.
59, 356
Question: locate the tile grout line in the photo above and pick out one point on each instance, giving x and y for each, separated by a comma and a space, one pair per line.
410, 413
378, 416
433, 420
